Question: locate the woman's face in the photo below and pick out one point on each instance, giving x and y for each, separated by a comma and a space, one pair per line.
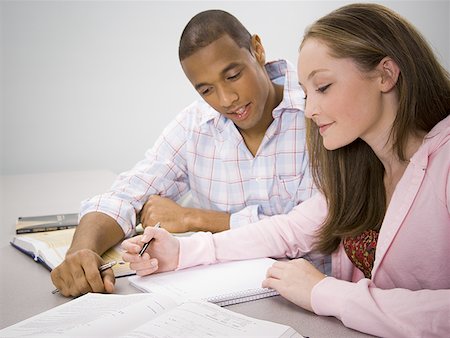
343, 101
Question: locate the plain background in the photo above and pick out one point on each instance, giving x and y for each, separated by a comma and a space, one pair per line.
89, 85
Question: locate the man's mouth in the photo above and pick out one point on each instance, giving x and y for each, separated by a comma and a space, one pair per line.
241, 113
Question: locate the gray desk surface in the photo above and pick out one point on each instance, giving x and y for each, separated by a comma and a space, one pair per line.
25, 286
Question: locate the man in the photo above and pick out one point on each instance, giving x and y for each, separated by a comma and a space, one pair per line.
240, 151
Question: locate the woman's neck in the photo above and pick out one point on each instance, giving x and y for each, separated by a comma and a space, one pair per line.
394, 167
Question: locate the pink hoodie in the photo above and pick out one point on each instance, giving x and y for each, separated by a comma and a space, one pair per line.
409, 293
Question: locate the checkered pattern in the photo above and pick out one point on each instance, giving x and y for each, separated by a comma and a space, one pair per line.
203, 152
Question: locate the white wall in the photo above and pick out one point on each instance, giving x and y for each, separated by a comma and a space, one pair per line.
90, 85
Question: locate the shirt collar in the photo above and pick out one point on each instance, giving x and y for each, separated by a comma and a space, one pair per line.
282, 71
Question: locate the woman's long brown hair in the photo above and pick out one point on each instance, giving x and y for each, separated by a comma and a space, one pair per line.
351, 178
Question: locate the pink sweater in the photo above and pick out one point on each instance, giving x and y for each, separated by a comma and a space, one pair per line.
409, 293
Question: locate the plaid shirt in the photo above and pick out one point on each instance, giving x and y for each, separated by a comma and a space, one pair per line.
203, 152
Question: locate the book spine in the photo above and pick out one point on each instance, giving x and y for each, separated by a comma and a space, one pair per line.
42, 228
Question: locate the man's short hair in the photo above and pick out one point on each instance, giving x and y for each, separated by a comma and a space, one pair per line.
208, 26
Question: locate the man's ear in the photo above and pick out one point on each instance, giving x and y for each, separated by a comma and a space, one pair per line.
389, 71
258, 49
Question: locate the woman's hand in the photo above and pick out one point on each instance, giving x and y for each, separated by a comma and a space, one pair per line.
161, 254
294, 280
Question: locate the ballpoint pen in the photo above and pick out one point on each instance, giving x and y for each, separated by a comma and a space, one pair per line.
101, 269
157, 225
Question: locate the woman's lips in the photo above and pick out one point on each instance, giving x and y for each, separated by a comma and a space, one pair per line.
324, 127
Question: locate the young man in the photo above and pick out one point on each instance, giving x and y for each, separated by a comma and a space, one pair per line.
240, 151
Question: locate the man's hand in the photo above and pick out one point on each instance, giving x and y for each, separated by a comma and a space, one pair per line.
161, 209
177, 219
294, 280
79, 274
161, 254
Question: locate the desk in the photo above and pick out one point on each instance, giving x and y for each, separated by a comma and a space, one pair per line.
25, 286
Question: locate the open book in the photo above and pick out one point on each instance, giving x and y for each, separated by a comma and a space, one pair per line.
222, 283
49, 248
143, 315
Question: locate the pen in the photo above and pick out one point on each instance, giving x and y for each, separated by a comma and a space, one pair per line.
157, 225
101, 269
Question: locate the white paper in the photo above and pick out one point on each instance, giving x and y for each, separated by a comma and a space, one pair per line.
202, 319
98, 313
143, 315
208, 282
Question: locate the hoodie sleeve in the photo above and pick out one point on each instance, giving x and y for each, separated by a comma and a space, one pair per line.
386, 313
288, 235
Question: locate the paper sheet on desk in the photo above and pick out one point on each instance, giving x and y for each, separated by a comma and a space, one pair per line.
143, 315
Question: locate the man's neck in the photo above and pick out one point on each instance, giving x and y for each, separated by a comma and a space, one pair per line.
254, 137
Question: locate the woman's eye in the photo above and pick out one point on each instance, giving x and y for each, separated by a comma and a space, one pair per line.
323, 88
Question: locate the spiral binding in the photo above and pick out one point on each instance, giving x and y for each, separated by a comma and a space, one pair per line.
242, 296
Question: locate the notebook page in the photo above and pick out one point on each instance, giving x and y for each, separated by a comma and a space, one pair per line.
214, 282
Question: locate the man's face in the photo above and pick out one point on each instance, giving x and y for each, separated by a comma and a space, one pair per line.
233, 81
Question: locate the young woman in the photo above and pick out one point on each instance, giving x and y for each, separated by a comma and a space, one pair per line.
378, 105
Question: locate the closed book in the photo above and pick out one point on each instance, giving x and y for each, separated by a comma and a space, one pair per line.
46, 223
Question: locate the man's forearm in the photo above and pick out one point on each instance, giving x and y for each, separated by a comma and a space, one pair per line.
97, 232
207, 220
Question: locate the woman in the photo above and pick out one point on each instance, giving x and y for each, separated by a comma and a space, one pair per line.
378, 102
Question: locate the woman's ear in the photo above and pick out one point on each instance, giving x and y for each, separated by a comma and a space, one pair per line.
389, 71
258, 49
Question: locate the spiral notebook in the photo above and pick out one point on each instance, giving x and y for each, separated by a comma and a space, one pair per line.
222, 283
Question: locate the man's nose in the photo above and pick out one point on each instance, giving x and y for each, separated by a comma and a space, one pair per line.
227, 97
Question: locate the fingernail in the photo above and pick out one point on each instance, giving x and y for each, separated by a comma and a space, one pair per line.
153, 263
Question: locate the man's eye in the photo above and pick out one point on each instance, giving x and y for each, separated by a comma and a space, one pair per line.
323, 88
234, 77
205, 91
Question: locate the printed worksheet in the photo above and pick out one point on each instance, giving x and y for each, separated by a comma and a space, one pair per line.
203, 319
143, 315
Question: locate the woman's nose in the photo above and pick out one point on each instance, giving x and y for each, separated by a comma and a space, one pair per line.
309, 110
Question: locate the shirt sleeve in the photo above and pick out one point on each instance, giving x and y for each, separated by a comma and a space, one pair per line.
245, 216
162, 172
386, 313
305, 189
